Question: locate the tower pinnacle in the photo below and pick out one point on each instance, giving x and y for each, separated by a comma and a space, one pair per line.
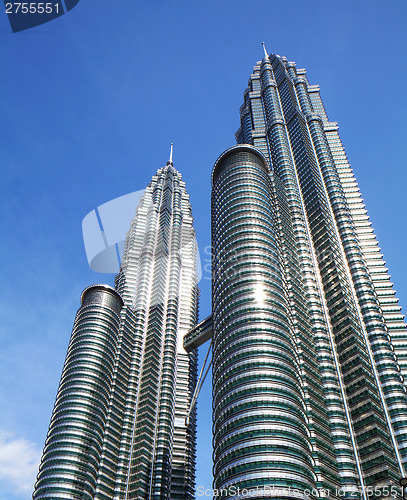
169, 162
265, 51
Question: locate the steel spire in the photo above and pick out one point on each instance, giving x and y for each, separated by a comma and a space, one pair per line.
265, 51
169, 162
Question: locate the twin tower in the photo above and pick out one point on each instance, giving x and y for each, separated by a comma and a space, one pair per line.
309, 346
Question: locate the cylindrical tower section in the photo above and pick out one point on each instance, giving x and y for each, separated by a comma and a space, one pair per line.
260, 432
74, 443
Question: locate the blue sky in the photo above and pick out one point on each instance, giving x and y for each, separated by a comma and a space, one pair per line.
90, 103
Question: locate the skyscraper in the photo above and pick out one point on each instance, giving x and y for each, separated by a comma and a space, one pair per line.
309, 344
118, 428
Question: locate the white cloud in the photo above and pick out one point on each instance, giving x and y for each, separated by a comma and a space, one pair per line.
19, 459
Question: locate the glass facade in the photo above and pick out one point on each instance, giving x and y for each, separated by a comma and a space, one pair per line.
158, 278
309, 358
73, 450
118, 429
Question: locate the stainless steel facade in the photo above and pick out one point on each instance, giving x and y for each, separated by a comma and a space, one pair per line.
118, 429
158, 279
73, 450
259, 414
309, 344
